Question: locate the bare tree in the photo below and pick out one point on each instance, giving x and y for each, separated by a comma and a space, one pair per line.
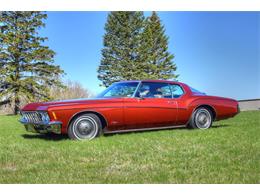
72, 90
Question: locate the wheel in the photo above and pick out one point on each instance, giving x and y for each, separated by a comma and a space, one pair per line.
85, 127
201, 118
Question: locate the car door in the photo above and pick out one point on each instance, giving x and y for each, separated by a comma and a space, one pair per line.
152, 107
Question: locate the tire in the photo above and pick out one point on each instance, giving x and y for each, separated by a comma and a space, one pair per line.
85, 127
201, 118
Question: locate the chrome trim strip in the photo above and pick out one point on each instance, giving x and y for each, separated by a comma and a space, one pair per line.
137, 87
159, 107
144, 129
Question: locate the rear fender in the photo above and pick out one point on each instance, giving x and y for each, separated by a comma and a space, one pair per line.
222, 107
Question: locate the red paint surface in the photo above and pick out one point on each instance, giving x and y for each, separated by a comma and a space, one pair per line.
135, 113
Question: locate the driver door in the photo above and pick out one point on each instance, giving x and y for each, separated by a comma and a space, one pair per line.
152, 107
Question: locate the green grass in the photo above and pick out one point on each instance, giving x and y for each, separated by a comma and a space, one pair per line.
229, 152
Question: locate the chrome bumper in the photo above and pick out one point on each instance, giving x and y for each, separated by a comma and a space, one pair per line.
53, 126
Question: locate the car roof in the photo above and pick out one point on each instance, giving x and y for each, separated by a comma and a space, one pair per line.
153, 81
183, 85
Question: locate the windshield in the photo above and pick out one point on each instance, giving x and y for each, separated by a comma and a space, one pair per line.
123, 89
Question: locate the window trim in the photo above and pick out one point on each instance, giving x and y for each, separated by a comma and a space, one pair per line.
137, 88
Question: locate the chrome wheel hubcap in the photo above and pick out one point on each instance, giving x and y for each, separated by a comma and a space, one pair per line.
85, 127
203, 119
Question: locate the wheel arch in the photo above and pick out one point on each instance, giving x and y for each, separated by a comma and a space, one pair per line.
210, 107
100, 116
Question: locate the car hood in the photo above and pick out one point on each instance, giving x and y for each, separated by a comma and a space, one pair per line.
69, 103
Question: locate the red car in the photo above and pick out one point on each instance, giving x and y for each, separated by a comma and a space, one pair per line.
129, 106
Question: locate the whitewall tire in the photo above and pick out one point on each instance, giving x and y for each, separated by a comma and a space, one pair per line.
85, 127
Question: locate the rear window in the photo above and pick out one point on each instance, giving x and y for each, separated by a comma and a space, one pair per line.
195, 91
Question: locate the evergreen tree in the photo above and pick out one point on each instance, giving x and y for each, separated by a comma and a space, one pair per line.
27, 68
158, 62
135, 48
121, 53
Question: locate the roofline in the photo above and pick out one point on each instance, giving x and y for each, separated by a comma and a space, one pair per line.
150, 80
184, 86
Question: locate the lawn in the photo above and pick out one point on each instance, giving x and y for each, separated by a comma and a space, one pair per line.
229, 152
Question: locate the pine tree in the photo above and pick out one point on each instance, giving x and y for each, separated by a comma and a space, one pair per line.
121, 53
27, 68
135, 48
158, 62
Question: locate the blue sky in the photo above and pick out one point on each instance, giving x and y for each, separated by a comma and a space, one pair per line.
215, 52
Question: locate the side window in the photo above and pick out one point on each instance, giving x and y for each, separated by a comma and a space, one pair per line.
176, 91
154, 90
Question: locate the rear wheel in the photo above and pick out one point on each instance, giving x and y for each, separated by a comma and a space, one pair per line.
85, 127
201, 118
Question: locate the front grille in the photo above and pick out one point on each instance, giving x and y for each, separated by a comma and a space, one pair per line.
33, 117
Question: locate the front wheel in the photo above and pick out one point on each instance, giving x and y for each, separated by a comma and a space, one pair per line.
201, 118
85, 127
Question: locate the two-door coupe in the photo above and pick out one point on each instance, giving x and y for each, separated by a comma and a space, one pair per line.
129, 106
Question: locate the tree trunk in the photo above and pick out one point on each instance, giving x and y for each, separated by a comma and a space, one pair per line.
16, 105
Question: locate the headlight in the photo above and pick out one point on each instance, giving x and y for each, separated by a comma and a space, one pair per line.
45, 117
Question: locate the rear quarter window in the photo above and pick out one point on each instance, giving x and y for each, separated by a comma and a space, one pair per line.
177, 91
